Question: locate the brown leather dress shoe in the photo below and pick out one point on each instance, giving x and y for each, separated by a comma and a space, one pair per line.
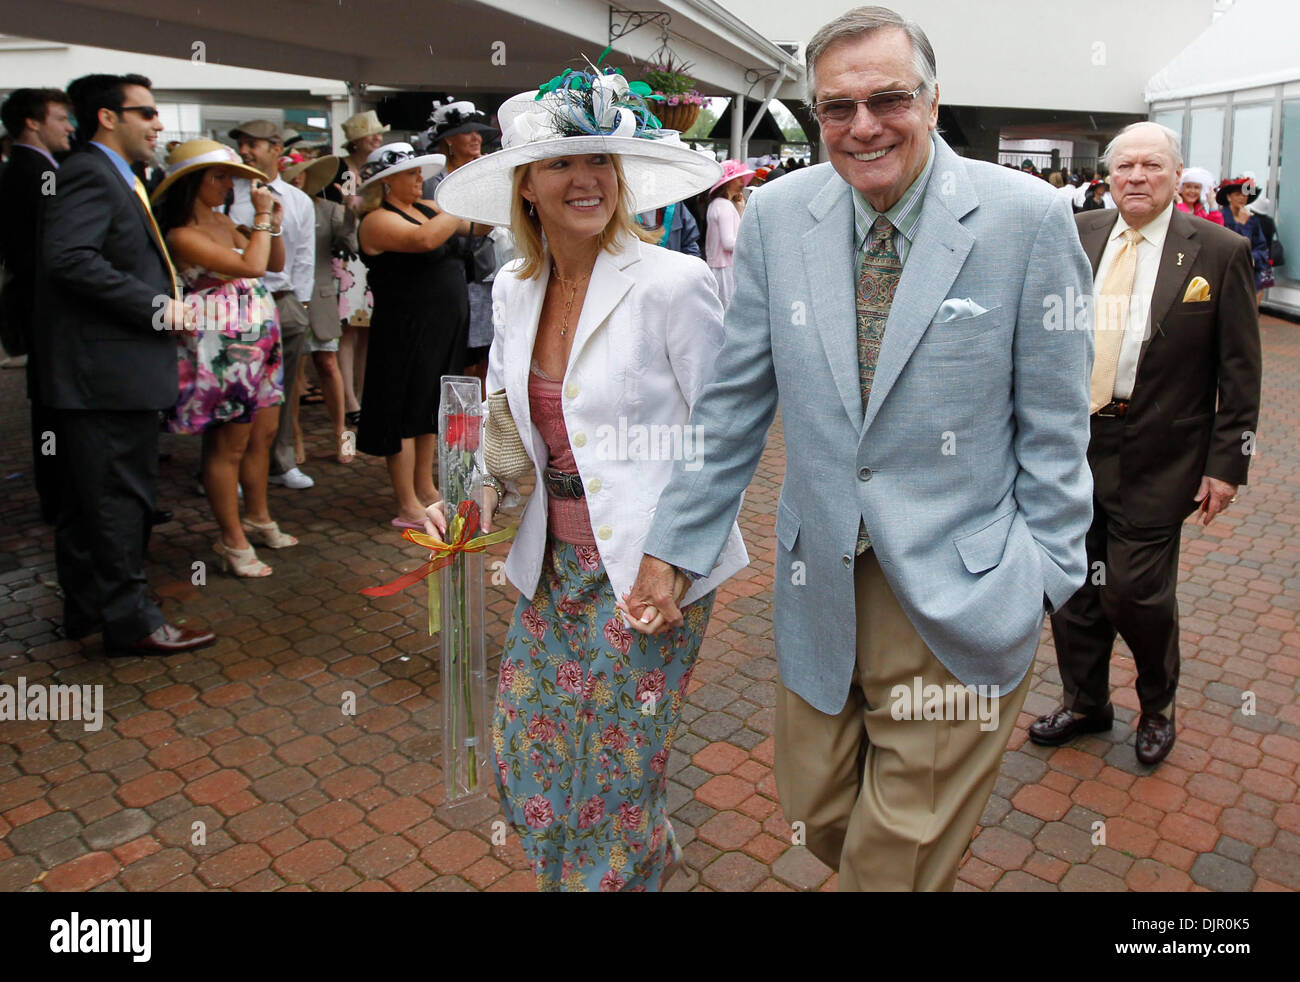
1155, 737
1062, 726
168, 639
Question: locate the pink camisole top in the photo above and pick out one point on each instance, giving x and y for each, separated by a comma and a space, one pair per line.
568, 518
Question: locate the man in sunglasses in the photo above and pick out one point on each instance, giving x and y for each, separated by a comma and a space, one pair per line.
936, 491
107, 300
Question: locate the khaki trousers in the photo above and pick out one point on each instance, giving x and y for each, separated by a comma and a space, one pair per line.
891, 803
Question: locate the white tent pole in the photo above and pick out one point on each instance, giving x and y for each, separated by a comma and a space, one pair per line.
738, 149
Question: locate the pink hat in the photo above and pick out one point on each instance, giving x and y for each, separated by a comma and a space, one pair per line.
732, 169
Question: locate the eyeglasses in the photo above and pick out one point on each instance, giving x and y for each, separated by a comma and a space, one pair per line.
882, 105
146, 112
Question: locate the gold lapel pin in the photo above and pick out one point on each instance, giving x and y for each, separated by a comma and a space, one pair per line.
1180, 259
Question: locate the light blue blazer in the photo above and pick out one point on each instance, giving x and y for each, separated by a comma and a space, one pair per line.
969, 464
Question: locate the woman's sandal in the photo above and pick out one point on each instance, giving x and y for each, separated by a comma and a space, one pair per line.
268, 535
241, 562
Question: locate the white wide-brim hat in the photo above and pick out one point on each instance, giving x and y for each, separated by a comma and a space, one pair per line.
396, 157
659, 169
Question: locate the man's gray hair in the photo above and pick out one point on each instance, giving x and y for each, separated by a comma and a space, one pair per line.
1175, 142
861, 21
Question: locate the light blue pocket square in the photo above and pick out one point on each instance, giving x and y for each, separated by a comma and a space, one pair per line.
958, 309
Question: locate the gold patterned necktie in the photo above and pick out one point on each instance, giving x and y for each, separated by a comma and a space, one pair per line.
157, 234
877, 283
1111, 318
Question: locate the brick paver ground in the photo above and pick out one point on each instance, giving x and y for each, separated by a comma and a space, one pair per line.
247, 736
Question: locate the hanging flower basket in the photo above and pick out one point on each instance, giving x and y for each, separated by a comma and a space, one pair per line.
680, 117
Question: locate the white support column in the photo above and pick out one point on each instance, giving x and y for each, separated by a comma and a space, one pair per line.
738, 145
340, 108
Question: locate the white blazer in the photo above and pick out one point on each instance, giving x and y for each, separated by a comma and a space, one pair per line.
643, 350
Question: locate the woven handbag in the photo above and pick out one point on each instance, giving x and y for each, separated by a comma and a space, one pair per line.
503, 450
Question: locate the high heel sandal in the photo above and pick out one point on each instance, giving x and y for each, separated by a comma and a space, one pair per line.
268, 535
241, 562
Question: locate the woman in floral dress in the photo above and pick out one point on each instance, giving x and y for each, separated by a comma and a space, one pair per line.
230, 368
597, 330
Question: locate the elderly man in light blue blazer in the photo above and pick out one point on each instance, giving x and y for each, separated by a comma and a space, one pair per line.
921, 320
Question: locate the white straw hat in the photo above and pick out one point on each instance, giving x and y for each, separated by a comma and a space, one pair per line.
580, 113
396, 157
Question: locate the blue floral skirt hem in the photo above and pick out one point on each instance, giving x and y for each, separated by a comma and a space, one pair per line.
586, 713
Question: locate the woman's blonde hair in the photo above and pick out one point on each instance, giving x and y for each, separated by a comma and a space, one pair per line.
372, 196
527, 229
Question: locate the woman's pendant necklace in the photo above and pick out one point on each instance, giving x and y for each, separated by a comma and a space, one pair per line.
573, 292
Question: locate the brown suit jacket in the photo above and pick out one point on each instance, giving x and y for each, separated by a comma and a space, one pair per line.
1195, 403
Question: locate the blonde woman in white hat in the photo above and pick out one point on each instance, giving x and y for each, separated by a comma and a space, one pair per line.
363, 134
598, 333
418, 328
231, 368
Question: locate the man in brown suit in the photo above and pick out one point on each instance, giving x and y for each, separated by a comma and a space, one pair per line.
1175, 400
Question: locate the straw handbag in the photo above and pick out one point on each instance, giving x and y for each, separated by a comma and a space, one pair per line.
503, 450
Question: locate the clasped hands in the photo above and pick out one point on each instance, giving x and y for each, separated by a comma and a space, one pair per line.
651, 605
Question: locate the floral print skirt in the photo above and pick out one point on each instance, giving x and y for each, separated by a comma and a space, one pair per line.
587, 710
232, 365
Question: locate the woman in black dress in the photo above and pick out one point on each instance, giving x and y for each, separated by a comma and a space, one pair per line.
419, 324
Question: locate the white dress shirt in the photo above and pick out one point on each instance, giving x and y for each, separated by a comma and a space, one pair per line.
298, 229
1149, 248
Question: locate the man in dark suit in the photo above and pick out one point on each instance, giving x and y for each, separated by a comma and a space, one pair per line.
1175, 400
106, 302
38, 120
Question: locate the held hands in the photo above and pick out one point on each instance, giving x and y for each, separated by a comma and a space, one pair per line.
181, 317
651, 605
1214, 496
435, 520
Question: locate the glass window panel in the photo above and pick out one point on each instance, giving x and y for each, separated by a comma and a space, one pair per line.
1173, 118
1288, 189
1205, 145
1252, 129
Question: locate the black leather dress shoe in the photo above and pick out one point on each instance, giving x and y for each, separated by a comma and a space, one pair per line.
1155, 737
1062, 726
161, 516
168, 639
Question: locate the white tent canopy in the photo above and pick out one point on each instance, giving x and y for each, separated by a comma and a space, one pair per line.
1252, 44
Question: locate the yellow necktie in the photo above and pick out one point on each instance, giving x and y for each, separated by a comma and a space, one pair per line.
157, 234
1111, 316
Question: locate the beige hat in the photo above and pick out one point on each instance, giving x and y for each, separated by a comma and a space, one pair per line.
193, 155
320, 172
258, 129
363, 124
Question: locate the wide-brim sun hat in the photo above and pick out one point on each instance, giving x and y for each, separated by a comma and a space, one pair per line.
579, 113
363, 124
320, 172
453, 119
1246, 185
397, 157
732, 169
195, 155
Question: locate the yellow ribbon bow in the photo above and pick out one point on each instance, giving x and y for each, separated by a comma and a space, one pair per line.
461, 532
